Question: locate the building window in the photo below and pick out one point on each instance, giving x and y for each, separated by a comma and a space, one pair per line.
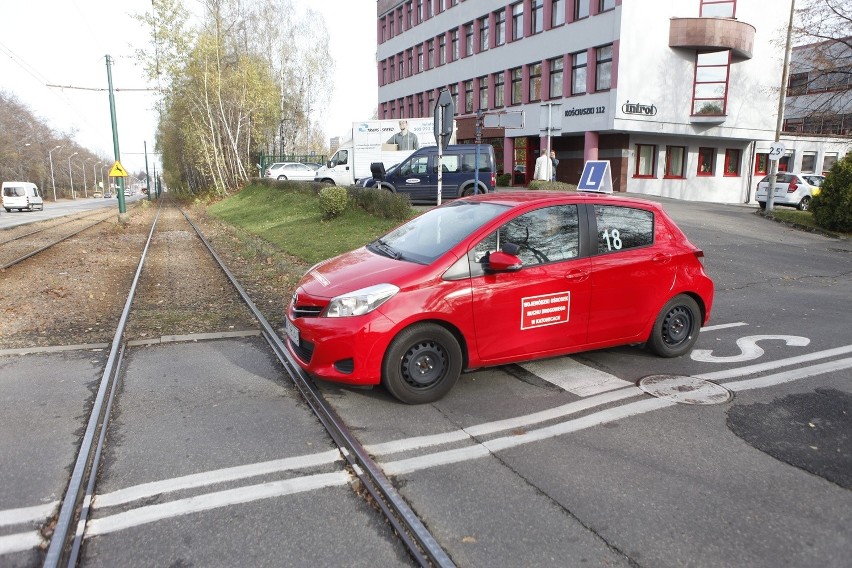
408, 16
517, 21
798, 84
711, 83
468, 39
399, 20
420, 104
578, 72
604, 5
537, 16
646, 156
499, 90
828, 162
400, 68
429, 13
483, 92
411, 62
454, 44
454, 93
442, 49
535, 82
468, 96
761, 164
483, 34
555, 77
718, 8
557, 13
581, 9
418, 11
809, 162
384, 72
732, 162
674, 161
430, 60
500, 27
431, 100
420, 58
383, 33
603, 69
706, 161
517, 76
390, 27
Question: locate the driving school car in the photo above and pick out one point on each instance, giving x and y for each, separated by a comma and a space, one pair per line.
495, 279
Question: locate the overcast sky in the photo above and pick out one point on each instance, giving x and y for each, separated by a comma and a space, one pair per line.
64, 43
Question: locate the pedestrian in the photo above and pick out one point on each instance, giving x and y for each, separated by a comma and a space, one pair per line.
555, 161
543, 167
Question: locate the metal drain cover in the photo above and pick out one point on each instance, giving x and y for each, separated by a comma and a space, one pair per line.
685, 390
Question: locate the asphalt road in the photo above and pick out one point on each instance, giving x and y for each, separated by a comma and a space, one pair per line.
563, 462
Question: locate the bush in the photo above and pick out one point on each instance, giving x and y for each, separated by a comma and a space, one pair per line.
333, 201
552, 185
832, 208
381, 202
503, 180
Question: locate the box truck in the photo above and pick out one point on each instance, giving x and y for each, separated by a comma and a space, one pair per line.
387, 141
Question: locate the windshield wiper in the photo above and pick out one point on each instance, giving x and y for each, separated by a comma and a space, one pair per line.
387, 250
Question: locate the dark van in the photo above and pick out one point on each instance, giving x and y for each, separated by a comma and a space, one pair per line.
417, 175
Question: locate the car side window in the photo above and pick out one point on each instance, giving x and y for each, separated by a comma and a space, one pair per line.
621, 228
550, 234
342, 157
416, 166
469, 162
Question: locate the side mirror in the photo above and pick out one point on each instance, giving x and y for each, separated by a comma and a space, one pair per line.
501, 261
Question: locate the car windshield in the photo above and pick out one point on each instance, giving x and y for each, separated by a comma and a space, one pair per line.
427, 237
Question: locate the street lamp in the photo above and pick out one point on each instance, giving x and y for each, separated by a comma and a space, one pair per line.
71, 175
83, 167
95, 173
52, 181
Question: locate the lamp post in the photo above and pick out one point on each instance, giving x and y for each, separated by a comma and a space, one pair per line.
103, 179
95, 173
52, 181
71, 175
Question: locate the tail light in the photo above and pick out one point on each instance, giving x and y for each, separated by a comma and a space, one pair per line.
493, 179
792, 187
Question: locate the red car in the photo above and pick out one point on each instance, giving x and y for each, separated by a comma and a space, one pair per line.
494, 279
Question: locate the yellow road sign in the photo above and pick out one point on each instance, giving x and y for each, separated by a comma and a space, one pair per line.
117, 171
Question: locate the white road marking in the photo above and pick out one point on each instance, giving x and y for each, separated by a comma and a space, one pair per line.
723, 326
20, 542
749, 350
210, 477
573, 376
27, 514
151, 513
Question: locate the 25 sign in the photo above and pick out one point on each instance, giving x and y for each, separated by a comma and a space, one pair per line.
776, 150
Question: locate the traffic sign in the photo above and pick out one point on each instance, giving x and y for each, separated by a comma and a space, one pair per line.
443, 118
596, 177
117, 171
776, 150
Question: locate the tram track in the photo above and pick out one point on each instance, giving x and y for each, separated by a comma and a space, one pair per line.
68, 533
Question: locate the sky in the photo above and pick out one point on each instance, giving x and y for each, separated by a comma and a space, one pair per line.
52, 58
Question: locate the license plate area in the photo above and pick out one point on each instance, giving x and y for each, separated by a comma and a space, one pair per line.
292, 331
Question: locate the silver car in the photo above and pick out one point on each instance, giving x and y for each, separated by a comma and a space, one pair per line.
290, 170
792, 190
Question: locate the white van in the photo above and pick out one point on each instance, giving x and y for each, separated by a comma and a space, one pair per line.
21, 195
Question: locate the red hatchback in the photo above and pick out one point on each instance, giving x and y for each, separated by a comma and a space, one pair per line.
494, 279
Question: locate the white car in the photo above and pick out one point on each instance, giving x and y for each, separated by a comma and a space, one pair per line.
290, 170
792, 190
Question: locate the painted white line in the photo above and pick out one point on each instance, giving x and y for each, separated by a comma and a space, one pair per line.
573, 376
791, 375
20, 542
210, 477
28, 514
723, 326
152, 513
760, 367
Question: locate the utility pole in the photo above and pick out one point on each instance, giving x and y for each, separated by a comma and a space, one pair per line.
773, 166
122, 207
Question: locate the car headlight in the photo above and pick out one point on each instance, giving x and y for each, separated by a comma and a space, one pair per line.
361, 301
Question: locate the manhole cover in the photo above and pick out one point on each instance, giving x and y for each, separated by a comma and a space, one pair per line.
686, 390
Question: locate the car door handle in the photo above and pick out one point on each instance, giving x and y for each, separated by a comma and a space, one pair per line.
577, 275
662, 258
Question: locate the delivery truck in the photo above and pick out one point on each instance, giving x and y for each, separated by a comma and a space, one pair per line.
387, 141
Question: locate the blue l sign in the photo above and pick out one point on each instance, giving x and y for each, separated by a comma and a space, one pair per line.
596, 177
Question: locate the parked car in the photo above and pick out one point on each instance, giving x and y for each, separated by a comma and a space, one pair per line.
417, 175
291, 170
792, 190
21, 195
107, 195
97, 194
499, 278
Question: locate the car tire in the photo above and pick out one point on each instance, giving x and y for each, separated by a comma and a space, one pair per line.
761, 204
422, 364
804, 204
676, 328
282, 178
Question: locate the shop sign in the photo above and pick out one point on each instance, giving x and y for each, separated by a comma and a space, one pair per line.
637, 108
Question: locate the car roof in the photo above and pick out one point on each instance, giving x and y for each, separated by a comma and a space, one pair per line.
515, 198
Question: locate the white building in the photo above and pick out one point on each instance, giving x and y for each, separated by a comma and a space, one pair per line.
681, 96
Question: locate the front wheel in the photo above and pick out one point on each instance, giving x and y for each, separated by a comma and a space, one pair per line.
282, 178
676, 329
805, 203
422, 364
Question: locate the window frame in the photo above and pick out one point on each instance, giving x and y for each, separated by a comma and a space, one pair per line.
500, 27
516, 93
536, 17
517, 21
700, 154
606, 5
556, 77
670, 161
581, 9
603, 63
483, 34
499, 89
534, 83
696, 83
557, 13
761, 163
638, 162
733, 158
717, 3
577, 69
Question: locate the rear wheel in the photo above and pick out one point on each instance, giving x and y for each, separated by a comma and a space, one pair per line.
676, 329
805, 203
761, 204
422, 364
282, 178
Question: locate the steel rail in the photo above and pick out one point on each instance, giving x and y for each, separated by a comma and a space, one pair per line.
44, 248
48, 228
410, 529
59, 549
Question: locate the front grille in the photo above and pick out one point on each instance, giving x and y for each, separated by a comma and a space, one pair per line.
305, 350
307, 311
